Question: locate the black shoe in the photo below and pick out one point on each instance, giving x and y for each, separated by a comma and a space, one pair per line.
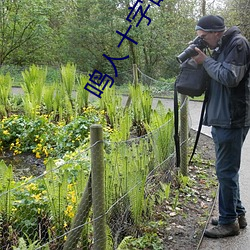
221, 231
241, 219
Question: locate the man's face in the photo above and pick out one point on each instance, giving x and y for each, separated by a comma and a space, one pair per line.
211, 38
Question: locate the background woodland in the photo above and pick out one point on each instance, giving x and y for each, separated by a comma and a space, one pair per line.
55, 32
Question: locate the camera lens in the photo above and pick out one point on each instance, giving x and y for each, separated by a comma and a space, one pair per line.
187, 53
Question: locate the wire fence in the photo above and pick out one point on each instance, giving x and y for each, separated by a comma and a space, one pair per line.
55, 210
162, 86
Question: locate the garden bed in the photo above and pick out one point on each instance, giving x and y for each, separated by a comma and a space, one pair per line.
179, 221
185, 226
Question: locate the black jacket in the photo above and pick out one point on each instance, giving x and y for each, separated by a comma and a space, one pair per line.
229, 90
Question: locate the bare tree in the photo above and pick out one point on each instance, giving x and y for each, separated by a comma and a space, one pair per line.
20, 22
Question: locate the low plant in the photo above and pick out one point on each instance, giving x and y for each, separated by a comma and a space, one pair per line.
163, 87
6, 184
164, 192
5, 90
28, 245
44, 137
147, 241
43, 208
30, 209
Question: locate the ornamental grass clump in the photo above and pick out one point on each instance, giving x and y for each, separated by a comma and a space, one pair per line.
141, 106
82, 96
5, 90
160, 131
34, 80
68, 75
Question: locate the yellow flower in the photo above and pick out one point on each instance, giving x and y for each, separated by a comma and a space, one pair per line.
17, 152
102, 112
6, 132
69, 211
73, 199
26, 178
45, 151
31, 187
14, 209
38, 156
37, 196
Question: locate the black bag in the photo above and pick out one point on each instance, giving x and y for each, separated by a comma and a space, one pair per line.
192, 80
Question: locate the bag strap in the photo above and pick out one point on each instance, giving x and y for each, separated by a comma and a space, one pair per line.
176, 126
199, 127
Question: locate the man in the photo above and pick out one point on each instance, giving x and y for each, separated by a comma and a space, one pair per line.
228, 112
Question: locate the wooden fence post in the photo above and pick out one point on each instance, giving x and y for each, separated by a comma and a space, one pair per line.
80, 218
184, 135
98, 194
135, 74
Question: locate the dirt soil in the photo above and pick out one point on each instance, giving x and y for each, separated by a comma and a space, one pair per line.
187, 222
25, 164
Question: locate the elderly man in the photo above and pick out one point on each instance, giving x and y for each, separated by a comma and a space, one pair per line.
228, 112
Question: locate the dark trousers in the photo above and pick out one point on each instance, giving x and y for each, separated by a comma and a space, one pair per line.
228, 145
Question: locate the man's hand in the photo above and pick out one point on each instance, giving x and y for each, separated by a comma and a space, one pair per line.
200, 58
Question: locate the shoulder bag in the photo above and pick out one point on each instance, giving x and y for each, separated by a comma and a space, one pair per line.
192, 79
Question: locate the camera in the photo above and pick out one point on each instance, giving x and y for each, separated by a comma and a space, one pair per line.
190, 51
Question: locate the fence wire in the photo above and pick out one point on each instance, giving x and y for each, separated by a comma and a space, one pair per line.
158, 87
